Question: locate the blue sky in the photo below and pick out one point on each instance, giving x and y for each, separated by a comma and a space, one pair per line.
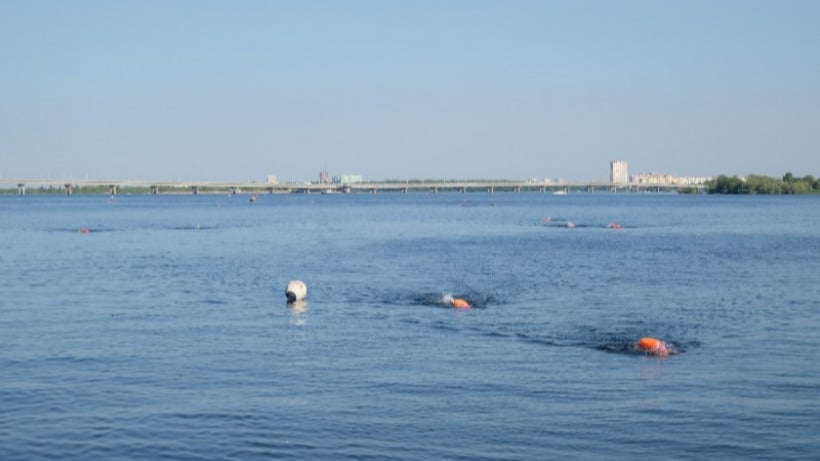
236, 90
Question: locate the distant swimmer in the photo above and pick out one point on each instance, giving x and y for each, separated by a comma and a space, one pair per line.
459, 303
85, 230
614, 225
654, 346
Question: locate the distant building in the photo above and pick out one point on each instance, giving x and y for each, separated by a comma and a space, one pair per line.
618, 172
348, 179
324, 177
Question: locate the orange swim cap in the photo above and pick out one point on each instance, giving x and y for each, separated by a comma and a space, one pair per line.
649, 343
460, 303
654, 346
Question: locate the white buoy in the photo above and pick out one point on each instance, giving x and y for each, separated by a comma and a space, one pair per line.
296, 291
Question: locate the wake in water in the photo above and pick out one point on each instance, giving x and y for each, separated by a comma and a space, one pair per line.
625, 342
627, 346
88, 229
450, 300
565, 223
635, 346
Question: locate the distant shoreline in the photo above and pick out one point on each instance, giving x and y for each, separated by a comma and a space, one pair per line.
764, 185
751, 184
360, 188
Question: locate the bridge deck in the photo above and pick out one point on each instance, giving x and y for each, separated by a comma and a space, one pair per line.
372, 187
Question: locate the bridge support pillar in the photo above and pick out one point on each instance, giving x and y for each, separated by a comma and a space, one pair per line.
21, 189
69, 189
491, 190
112, 189
154, 190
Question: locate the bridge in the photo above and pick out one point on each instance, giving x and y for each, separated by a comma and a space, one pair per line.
112, 187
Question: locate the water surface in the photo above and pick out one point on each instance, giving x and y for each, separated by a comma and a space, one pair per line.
164, 333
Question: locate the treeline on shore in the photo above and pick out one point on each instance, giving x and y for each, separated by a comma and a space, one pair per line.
759, 184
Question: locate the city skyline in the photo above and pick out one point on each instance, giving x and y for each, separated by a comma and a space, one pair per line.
211, 90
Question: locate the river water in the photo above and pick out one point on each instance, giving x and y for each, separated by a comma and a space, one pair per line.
163, 332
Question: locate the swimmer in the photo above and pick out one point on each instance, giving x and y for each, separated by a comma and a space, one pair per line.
614, 225
459, 303
654, 346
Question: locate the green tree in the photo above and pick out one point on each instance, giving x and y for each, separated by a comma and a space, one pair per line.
726, 185
758, 184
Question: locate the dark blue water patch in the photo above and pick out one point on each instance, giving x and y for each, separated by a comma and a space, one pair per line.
540, 340
629, 345
590, 339
617, 332
624, 339
444, 326
540, 336
596, 338
615, 344
214, 302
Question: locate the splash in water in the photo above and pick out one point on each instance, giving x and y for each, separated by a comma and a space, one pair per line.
458, 303
642, 346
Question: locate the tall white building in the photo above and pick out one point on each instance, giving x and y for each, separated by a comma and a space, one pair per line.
617, 172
